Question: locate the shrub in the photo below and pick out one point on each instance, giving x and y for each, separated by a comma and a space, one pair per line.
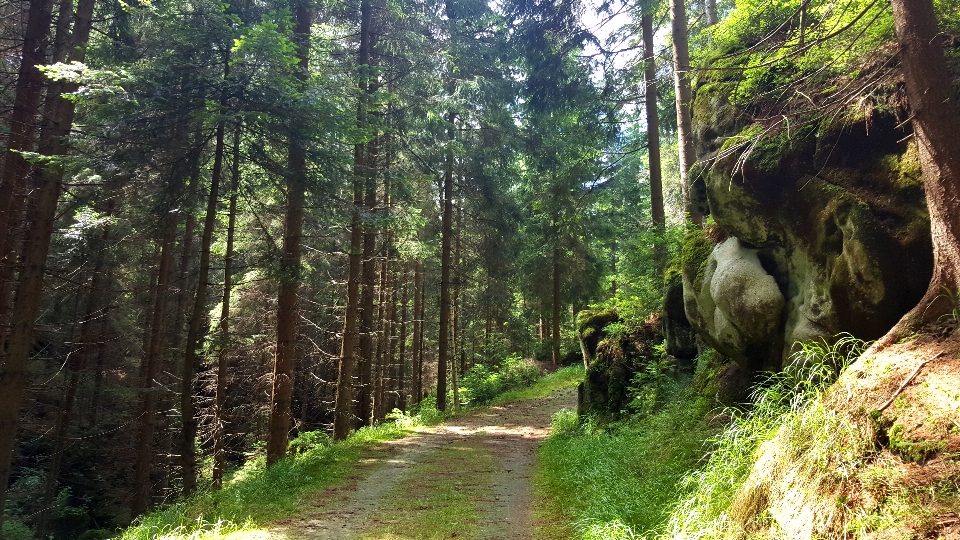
480, 384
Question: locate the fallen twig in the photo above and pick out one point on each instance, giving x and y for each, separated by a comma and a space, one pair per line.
906, 382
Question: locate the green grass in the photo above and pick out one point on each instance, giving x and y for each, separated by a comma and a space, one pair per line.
437, 500
254, 496
620, 480
562, 378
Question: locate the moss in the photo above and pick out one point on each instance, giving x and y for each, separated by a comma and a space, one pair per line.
694, 255
768, 153
915, 451
890, 435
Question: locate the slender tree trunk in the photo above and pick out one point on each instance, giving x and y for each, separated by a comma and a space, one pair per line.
220, 398
653, 143
369, 291
421, 339
378, 372
681, 78
710, 9
936, 125
149, 369
556, 290
188, 415
443, 341
417, 331
13, 374
79, 361
285, 358
402, 360
455, 330
391, 360
343, 402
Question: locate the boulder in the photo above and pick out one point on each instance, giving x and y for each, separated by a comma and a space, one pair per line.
822, 230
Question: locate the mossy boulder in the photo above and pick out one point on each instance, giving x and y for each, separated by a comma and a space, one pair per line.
605, 390
590, 330
829, 230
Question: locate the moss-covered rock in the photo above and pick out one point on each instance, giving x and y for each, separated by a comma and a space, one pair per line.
833, 213
605, 390
590, 330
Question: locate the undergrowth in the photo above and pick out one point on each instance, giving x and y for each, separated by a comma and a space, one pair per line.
616, 480
645, 477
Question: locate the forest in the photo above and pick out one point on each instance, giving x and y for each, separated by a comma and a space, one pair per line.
246, 246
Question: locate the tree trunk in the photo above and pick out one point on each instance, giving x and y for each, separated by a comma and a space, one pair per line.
421, 339
149, 369
13, 181
710, 9
402, 360
391, 359
285, 358
188, 416
936, 126
445, 262
13, 372
455, 329
417, 371
556, 291
681, 79
653, 144
343, 403
378, 372
220, 398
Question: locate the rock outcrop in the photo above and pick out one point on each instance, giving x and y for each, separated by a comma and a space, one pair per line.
823, 229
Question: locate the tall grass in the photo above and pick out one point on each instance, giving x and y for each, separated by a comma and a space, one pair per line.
256, 495
788, 403
668, 474
618, 481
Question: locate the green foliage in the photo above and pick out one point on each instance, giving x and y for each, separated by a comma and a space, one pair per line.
15, 530
786, 400
480, 384
651, 386
765, 41
619, 480
307, 441
562, 378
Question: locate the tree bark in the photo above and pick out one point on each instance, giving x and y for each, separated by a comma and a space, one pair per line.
681, 79
378, 371
556, 290
710, 10
285, 359
13, 181
415, 355
342, 418
402, 360
13, 372
443, 341
220, 398
188, 415
658, 214
936, 126
150, 366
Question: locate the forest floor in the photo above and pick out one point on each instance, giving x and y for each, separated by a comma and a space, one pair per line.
471, 477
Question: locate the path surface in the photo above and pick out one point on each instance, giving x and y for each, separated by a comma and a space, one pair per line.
471, 477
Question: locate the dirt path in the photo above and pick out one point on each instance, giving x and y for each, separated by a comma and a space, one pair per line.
471, 477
